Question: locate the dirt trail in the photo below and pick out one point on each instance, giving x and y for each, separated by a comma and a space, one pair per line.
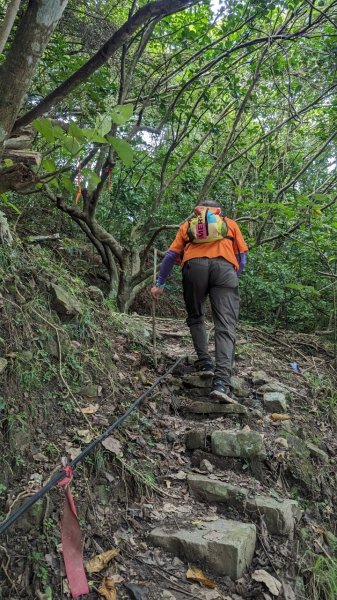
184, 488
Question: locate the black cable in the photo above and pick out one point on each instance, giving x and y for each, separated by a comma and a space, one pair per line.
61, 474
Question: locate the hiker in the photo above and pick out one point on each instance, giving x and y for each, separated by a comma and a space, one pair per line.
212, 253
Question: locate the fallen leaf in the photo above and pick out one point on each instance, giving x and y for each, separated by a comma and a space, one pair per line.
197, 575
166, 595
273, 585
91, 409
65, 587
171, 508
288, 591
110, 443
73, 452
85, 434
116, 578
282, 442
280, 417
39, 457
96, 564
108, 589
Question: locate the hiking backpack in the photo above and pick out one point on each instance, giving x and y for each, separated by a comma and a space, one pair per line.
207, 226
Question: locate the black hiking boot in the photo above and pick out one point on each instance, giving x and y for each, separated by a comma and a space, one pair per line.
204, 368
221, 393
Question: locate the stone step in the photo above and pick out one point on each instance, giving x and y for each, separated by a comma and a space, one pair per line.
279, 515
238, 444
275, 402
195, 381
213, 408
224, 546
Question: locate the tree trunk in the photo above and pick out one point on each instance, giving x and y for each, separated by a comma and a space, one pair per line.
8, 22
16, 72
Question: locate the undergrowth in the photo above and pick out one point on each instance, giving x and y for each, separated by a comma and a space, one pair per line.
323, 579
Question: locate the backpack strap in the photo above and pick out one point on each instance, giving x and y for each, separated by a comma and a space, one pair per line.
228, 237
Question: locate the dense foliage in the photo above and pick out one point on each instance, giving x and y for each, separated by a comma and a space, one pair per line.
231, 100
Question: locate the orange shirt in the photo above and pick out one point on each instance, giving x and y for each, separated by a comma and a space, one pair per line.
225, 248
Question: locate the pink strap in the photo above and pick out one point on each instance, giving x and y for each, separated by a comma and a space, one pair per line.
72, 542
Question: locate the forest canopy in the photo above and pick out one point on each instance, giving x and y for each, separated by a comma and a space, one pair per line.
122, 115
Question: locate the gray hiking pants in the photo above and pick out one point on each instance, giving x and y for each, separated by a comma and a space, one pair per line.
216, 278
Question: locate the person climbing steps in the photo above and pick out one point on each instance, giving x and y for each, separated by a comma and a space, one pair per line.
212, 253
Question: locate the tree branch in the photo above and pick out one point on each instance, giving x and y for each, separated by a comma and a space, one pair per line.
153, 10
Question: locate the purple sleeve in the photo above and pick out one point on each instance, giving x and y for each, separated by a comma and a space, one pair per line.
166, 267
242, 260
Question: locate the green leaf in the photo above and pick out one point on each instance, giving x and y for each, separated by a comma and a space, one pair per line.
45, 128
302, 288
93, 136
68, 184
321, 197
49, 165
5, 200
122, 113
123, 149
103, 124
76, 132
8, 162
70, 144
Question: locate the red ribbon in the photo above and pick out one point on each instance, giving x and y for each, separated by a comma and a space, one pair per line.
72, 541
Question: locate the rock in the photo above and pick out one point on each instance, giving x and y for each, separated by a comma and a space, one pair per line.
89, 390
287, 426
331, 540
31, 519
20, 437
95, 293
171, 437
137, 592
64, 303
317, 452
202, 393
213, 408
26, 356
195, 439
279, 515
205, 465
3, 364
275, 402
299, 463
239, 387
260, 377
299, 589
272, 386
257, 413
102, 494
52, 347
239, 444
225, 547
196, 381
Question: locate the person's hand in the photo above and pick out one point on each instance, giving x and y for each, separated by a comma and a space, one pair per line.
156, 292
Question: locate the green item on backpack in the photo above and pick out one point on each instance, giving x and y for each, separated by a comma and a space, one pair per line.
207, 226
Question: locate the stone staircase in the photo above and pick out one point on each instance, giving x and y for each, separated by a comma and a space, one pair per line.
228, 436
